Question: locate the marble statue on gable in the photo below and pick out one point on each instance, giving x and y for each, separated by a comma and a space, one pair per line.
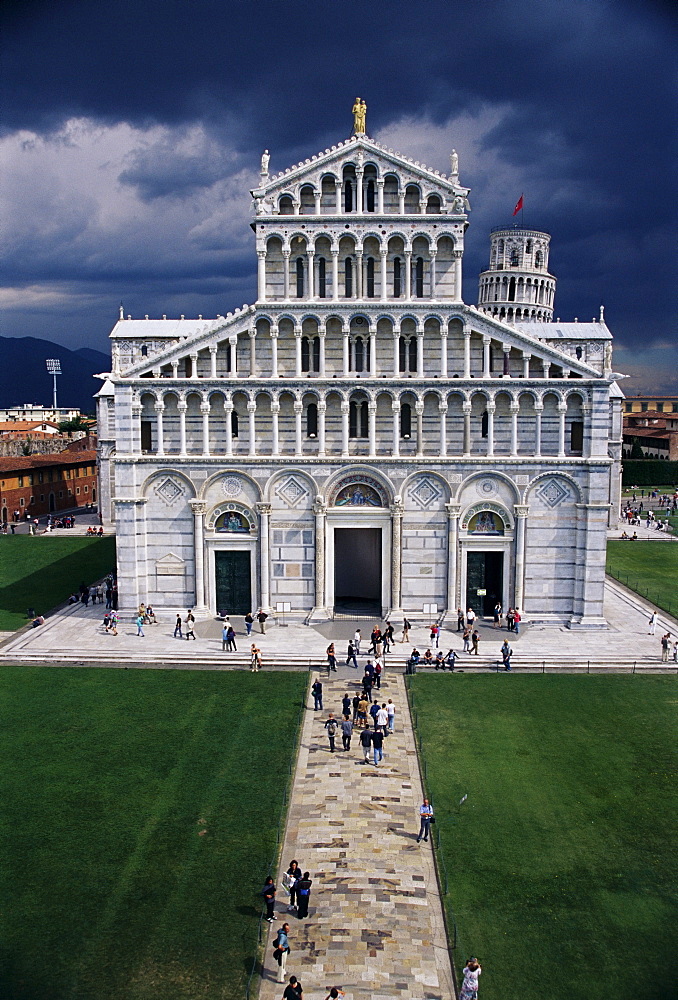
265, 160
454, 164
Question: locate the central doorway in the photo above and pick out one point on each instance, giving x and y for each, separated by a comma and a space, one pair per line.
233, 582
484, 572
357, 569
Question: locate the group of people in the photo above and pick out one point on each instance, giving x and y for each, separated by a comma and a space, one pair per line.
96, 593
91, 530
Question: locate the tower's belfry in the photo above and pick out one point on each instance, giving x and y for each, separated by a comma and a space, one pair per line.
517, 284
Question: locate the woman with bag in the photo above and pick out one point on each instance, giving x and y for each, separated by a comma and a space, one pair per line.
281, 949
469, 987
303, 895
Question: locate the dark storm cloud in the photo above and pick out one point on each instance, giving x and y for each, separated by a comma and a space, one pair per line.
572, 101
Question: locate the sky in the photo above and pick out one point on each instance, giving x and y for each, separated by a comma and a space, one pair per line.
132, 134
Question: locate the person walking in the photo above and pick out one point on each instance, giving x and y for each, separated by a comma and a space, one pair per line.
506, 654
249, 622
366, 743
346, 705
350, 655
261, 618
374, 712
355, 702
510, 619
357, 638
665, 642
255, 658
652, 623
470, 617
177, 628
317, 692
331, 658
346, 732
460, 619
268, 892
189, 623
467, 639
331, 728
293, 990
406, 630
113, 622
377, 746
469, 986
362, 712
425, 818
516, 621
230, 639
435, 634
388, 637
382, 718
451, 659
224, 638
303, 895
281, 949
496, 615
475, 639
140, 623
377, 673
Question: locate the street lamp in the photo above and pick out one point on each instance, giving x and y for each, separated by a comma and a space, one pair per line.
54, 368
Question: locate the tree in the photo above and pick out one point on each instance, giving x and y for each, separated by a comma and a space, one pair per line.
636, 450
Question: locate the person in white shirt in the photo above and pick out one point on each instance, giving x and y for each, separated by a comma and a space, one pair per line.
382, 718
390, 711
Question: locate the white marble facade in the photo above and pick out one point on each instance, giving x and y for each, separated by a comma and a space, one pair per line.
359, 434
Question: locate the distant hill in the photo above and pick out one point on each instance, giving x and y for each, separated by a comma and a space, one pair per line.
24, 377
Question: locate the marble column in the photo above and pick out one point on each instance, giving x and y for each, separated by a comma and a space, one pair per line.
233, 344
205, 410
320, 511
297, 351
275, 435
286, 274
359, 274
487, 343
213, 360
538, 410
199, 509
372, 427
264, 510
380, 195
274, 352
526, 365
442, 409
253, 351
521, 513
395, 408
467, 352
311, 274
458, 254
136, 429
453, 512
345, 409
335, 275
466, 407
159, 410
420, 353
339, 208
491, 408
396, 354
252, 429
182, 406
443, 353
322, 334
298, 411
401, 201
419, 410
562, 410
433, 275
514, 408
261, 275
383, 292
408, 275
397, 511
506, 370
322, 411
228, 410
345, 357
373, 353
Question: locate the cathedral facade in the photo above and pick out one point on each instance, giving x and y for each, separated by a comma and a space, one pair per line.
359, 437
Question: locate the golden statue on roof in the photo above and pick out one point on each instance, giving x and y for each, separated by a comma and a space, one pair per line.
359, 117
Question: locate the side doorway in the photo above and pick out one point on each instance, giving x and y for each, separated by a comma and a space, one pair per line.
233, 582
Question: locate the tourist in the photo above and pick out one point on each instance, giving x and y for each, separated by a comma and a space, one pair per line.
189, 623
331, 658
249, 622
469, 986
331, 729
406, 630
230, 639
113, 622
366, 743
346, 732
470, 617
351, 655
293, 990
390, 710
496, 622
451, 659
268, 892
377, 672
652, 623
475, 639
440, 660
665, 641
261, 618
516, 621
303, 895
177, 628
317, 692
506, 654
374, 712
281, 949
460, 619
357, 638
255, 658
224, 637
428, 658
346, 704
290, 879
435, 634
382, 718
466, 639
388, 636
334, 993
510, 619
425, 818
355, 702
140, 622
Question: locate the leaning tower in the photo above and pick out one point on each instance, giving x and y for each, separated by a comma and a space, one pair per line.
517, 284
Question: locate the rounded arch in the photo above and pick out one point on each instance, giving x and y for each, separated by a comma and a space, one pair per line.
244, 514
297, 473
159, 474
216, 476
555, 474
583, 395
359, 474
494, 474
494, 506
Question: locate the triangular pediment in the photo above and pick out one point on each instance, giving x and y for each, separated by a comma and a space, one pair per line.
363, 150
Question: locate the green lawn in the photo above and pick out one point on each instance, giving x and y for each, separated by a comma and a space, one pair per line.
108, 780
561, 863
649, 568
41, 571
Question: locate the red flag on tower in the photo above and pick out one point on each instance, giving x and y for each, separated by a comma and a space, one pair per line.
519, 206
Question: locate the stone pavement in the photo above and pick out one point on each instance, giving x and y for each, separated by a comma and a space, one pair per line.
74, 635
375, 926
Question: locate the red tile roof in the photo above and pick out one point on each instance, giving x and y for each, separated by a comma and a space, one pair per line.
24, 463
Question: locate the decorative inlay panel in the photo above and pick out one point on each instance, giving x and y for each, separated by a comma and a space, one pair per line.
553, 492
169, 491
425, 492
231, 486
291, 491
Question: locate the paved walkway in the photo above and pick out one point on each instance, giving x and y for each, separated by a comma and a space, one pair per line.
375, 926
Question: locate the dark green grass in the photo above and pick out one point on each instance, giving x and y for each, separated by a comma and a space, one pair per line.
649, 568
41, 571
562, 862
107, 779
